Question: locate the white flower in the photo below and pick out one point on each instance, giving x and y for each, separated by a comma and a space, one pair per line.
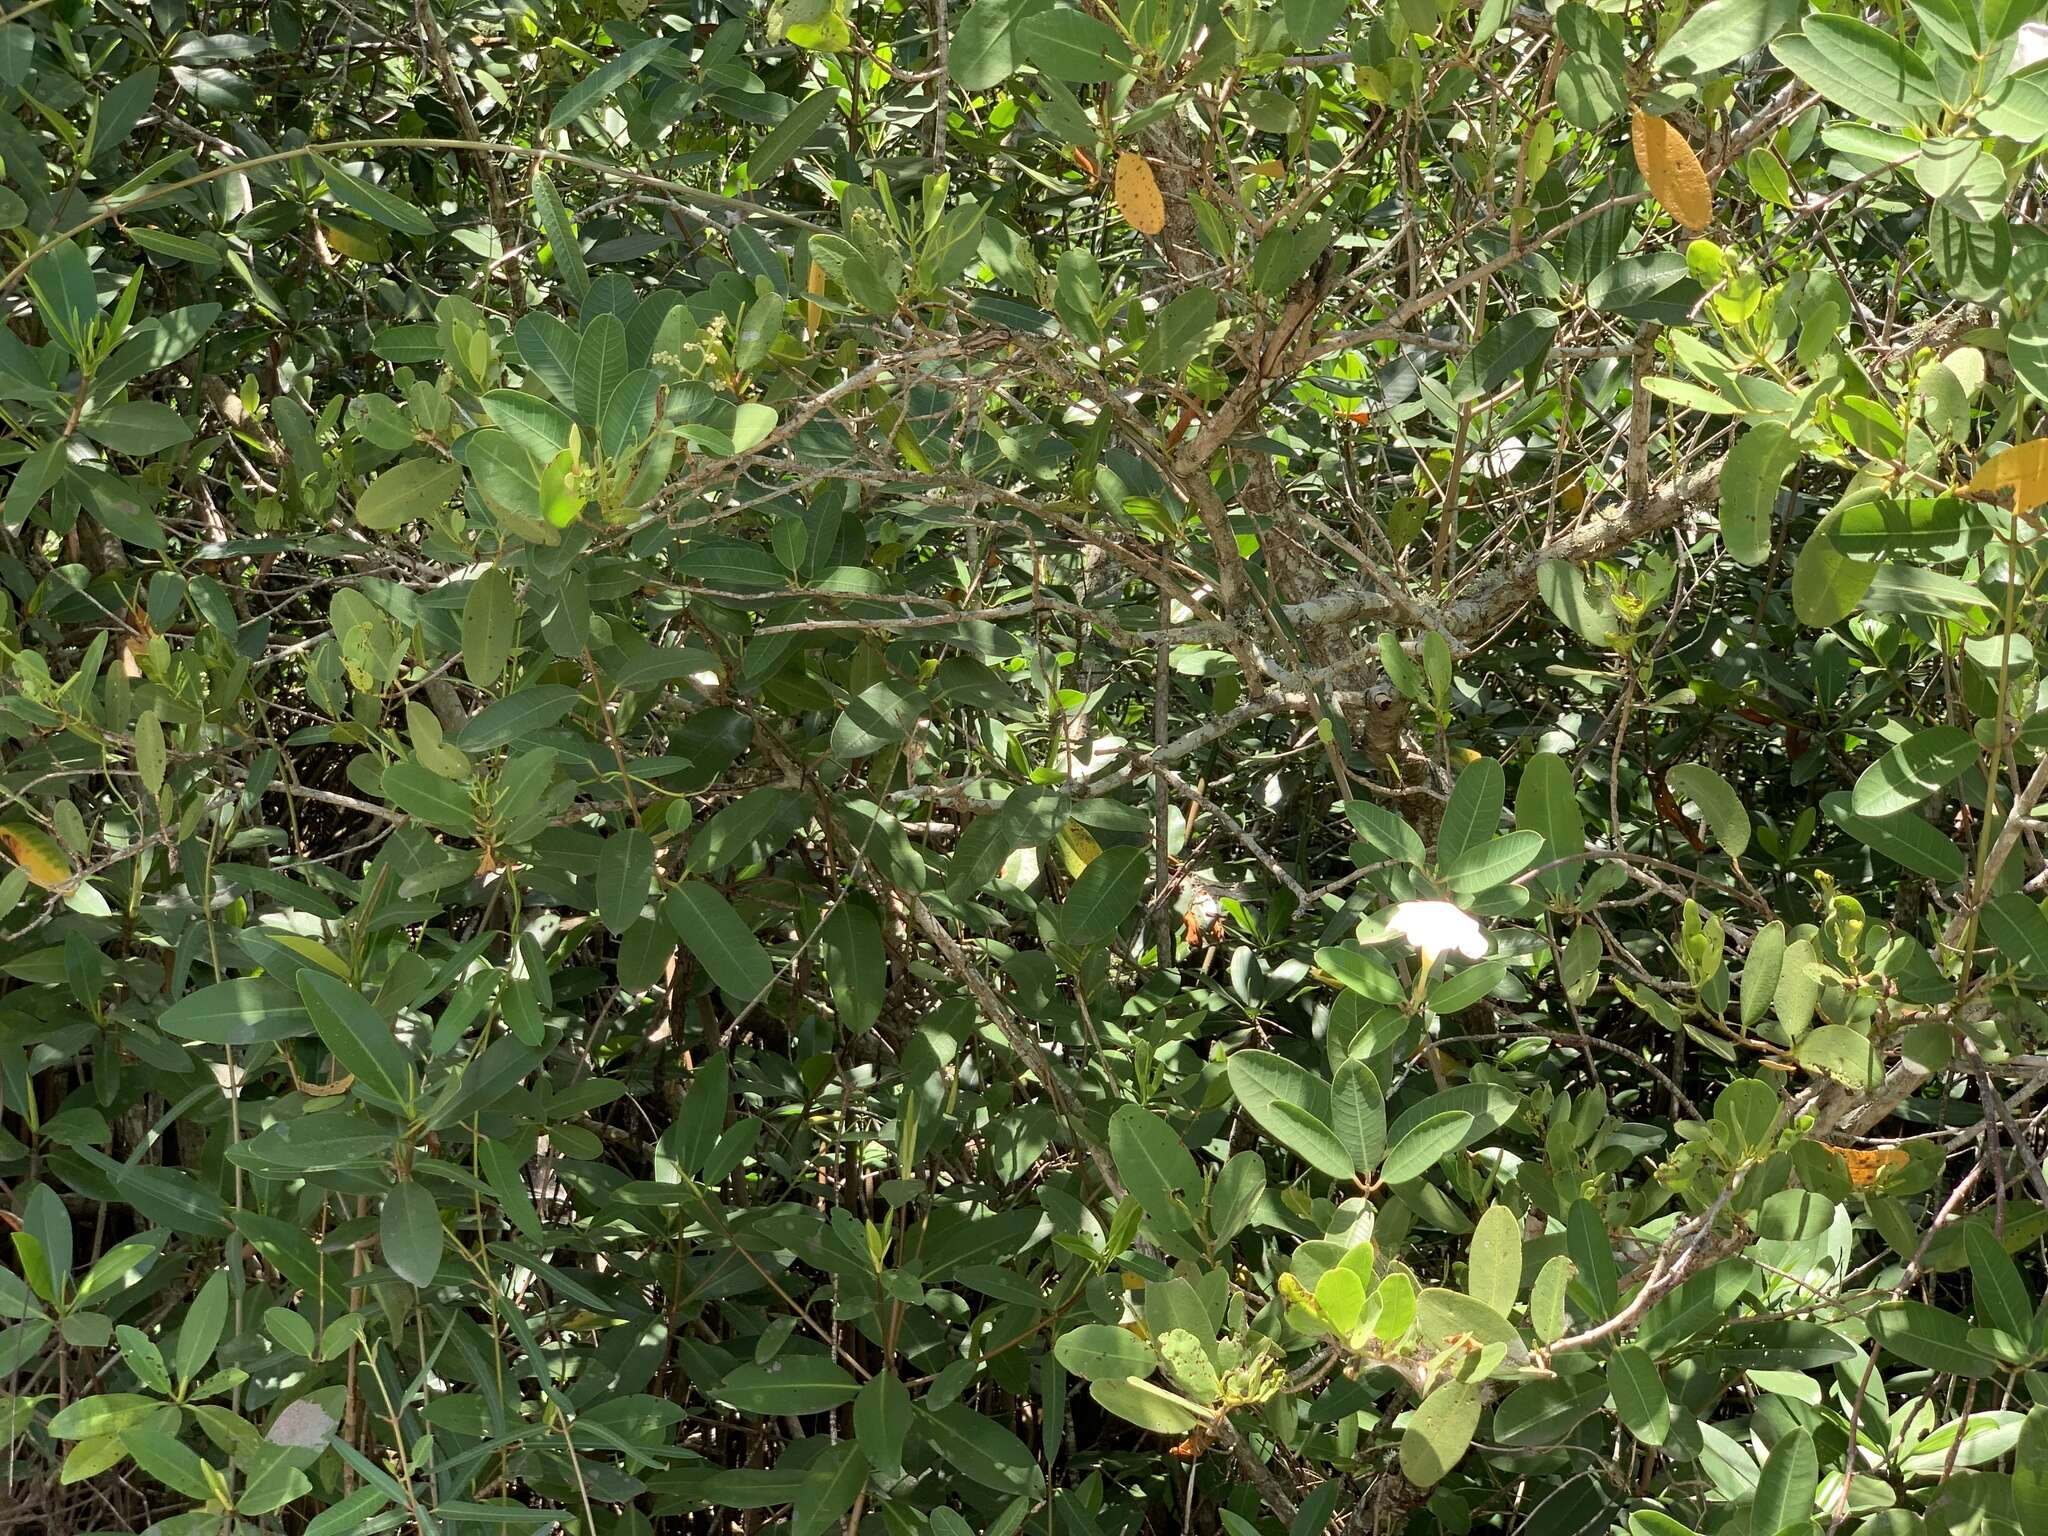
1437, 927
2031, 47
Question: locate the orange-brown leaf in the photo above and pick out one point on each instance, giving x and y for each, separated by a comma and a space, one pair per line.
1868, 1165
1676, 177
1137, 194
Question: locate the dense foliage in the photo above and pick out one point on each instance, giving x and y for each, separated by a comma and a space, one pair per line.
1084, 766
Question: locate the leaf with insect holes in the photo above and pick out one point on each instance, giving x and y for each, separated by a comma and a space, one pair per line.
1676, 177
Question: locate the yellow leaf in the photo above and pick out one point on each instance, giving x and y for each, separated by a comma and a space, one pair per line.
313, 951
1137, 194
37, 853
1078, 847
2023, 469
1674, 173
356, 240
814, 314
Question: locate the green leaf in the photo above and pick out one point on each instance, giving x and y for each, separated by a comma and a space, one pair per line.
1913, 770
1542, 1413
1152, 1160
1722, 31
1547, 1298
881, 1420
248, 1010
1930, 1337
752, 422
1148, 1406
1826, 584
1494, 1266
625, 870
1235, 1194
1356, 973
1762, 969
1906, 838
856, 963
1785, 1490
601, 366
1485, 865
1719, 805
983, 1451
1311, 1138
1592, 82
1385, 832
1562, 586
547, 348
1358, 1115
136, 427
505, 474
1547, 803
152, 754
1472, 815
1638, 1393
2030, 1472
200, 1332
1076, 48
425, 795
1623, 286
66, 292
882, 716
490, 622
1106, 894
356, 1035
1462, 989
163, 1457
2002, 1298
413, 488
1591, 1252
1858, 67
104, 1413
1291, 1104
2018, 932
409, 1233
1340, 1297
1439, 1432
1842, 1053
786, 139
1425, 1146
991, 43
719, 940
1103, 1352
1751, 480
1518, 342
788, 1384
373, 201
604, 82
539, 426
